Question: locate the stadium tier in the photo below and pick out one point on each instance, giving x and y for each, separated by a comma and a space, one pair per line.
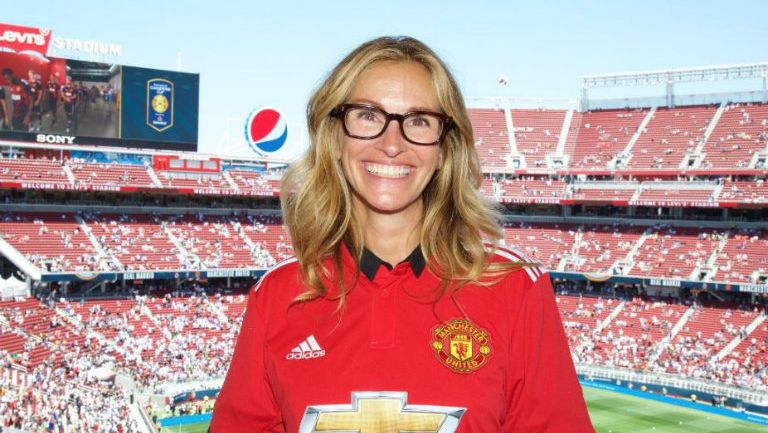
91, 241
655, 140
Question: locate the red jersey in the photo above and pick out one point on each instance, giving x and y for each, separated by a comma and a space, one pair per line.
35, 91
68, 93
489, 359
53, 89
21, 97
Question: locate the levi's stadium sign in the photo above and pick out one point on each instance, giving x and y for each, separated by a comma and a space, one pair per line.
20, 39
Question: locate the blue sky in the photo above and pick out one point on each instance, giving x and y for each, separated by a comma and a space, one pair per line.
254, 53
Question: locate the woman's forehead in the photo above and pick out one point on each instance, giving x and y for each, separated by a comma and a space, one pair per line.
396, 86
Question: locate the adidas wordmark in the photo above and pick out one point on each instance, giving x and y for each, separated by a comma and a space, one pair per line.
307, 349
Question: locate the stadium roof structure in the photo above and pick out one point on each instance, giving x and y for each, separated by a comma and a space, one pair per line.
679, 75
670, 77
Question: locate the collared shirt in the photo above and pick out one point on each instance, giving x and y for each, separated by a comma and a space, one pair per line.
490, 358
370, 263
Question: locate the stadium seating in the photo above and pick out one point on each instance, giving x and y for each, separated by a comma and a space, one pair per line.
544, 243
741, 131
674, 252
137, 241
686, 193
57, 242
602, 135
52, 242
744, 258
32, 171
491, 137
530, 189
599, 247
248, 180
755, 191
537, 133
704, 335
110, 174
51, 174
671, 133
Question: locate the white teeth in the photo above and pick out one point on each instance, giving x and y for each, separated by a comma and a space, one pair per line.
388, 170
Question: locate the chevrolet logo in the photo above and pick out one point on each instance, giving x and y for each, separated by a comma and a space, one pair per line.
380, 412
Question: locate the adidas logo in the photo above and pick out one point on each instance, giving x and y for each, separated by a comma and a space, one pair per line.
307, 349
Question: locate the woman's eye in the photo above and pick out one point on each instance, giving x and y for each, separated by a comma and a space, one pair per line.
419, 121
367, 115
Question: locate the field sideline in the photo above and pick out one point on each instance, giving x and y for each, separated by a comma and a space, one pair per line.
613, 412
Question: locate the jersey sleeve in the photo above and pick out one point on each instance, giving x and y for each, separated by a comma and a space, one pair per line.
548, 397
246, 402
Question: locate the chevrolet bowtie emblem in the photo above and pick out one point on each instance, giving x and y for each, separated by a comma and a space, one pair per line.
380, 412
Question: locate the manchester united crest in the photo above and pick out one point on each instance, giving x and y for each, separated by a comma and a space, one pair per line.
460, 345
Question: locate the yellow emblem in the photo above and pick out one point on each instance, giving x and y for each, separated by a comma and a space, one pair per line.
460, 345
381, 412
160, 103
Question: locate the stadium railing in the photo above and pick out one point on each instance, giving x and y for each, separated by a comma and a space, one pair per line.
754, 397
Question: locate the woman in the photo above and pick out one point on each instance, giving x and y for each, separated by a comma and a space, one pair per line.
397, 314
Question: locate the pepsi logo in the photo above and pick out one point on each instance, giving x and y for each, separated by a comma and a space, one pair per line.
266, 130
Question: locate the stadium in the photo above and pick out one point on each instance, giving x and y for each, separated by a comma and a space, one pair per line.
127, 255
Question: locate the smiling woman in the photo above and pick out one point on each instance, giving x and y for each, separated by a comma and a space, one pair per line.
400, 311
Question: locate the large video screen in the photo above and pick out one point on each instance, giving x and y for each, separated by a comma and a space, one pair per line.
63, 101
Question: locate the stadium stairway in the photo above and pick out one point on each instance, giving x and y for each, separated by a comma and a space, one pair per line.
20, 260
244, 236
188, 259
718, 190
155, 180
219, 312
747, 331
627, 153
572, 258
698, 152
511, 134
630, 258
560, 150
661, 345
70, 175
100, 251
709, 269
604, 324
147, 311
225, 174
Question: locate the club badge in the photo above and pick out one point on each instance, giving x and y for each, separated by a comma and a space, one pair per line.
159, 104
460, 345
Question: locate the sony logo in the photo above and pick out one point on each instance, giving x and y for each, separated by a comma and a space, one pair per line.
55, 139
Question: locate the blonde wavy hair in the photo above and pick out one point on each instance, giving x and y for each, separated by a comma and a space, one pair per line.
458, 222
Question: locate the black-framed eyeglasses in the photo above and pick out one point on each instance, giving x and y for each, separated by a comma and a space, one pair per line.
366, 122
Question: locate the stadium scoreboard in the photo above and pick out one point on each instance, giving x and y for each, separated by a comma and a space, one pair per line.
53, 100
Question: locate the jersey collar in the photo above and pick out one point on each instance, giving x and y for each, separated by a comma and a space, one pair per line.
370, 263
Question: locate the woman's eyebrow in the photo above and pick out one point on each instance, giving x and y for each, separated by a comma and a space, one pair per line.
378, 105
366, 101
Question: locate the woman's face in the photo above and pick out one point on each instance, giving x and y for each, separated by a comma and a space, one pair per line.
388, 173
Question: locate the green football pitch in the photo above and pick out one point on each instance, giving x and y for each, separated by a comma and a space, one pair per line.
619, 413
613, 412
200, 427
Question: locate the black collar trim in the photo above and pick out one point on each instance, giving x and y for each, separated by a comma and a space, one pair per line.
370, 262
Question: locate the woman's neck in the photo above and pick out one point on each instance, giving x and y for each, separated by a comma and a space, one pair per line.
391, 237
